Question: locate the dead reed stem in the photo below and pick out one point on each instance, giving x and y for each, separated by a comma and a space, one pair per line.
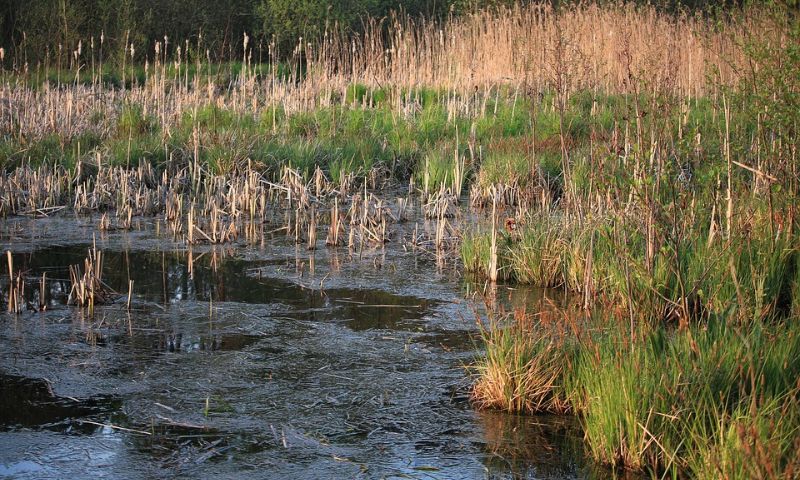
493, 251
14, 302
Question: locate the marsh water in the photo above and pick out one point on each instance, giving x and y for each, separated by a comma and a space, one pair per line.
254, 360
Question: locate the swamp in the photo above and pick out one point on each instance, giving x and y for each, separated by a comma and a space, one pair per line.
509, 240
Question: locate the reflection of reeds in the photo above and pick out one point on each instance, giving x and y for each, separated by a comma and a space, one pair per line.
130, 294
43, 292
545, 445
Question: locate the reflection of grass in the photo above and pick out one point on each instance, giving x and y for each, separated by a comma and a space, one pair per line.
542, 446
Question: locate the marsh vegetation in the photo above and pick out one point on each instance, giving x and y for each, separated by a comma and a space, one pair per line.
655, 181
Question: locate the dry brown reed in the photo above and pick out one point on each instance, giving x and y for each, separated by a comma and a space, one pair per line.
601, 45
523, 367
335, 232
199, 207
530, 48
88, 288
16, 287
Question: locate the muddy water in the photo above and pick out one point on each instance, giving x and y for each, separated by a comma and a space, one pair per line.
263, 361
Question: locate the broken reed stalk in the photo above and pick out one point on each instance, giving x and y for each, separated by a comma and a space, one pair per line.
14, 304
336, 225
312, 230
458, 175
190, 226
402, 209
441, 226
105, 223
493, 252
297, 217
88, 288
127, 215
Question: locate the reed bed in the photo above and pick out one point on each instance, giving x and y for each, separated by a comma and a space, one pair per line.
606, 48
601, 46
656, 179
680, 241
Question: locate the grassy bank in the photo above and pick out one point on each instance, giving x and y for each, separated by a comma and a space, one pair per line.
420, 133
674, 221
713, 401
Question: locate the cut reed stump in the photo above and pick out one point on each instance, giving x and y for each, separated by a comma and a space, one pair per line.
88, 288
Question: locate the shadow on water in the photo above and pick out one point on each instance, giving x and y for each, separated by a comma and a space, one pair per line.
30, 402
172, 277
262, 365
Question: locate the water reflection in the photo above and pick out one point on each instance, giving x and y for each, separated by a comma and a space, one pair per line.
30, 402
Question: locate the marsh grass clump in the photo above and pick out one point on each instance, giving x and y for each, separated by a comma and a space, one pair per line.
658, 404
686, 280
524, 366
663, 400
751, 443
435, 172
476, 252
